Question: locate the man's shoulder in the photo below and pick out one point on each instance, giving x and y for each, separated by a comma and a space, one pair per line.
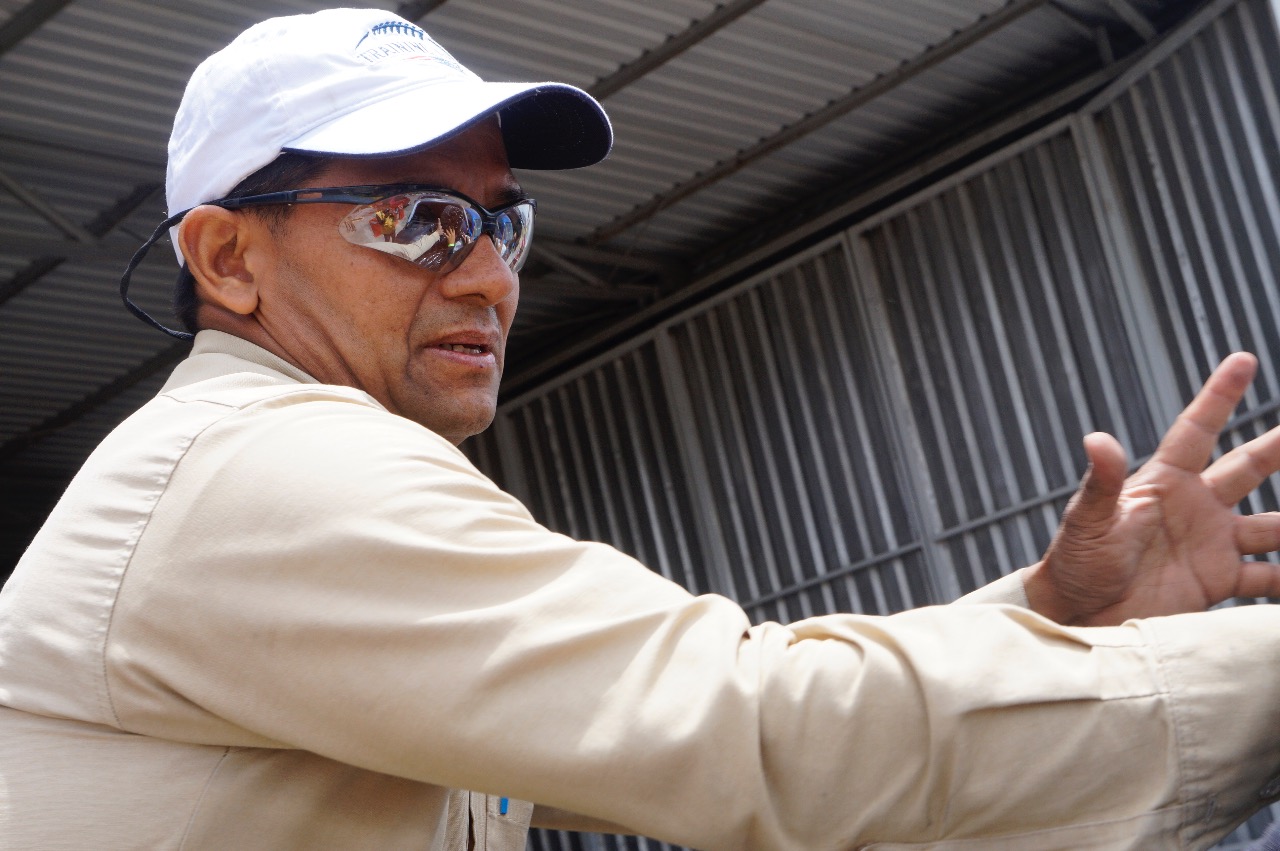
246, 420
246, 389
232, 378
226, 371
238, 425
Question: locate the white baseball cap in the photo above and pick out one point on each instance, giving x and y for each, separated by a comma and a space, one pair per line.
357, 82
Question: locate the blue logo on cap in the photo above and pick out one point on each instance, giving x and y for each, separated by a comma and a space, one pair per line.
394, 28
403, 40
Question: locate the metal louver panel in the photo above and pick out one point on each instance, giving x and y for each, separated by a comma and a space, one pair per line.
1006, 326
894, 417
784, 411
1192, 150
596, 458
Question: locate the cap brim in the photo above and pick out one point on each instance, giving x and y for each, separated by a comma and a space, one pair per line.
544, 125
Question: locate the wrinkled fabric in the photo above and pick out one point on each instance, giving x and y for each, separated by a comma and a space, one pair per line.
269, 613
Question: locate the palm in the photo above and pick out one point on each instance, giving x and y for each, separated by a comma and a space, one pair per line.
1168, 538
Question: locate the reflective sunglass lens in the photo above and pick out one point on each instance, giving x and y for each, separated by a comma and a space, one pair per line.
421, 230
513, 232
437, 231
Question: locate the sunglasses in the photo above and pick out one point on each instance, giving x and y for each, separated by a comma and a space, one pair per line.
427, 226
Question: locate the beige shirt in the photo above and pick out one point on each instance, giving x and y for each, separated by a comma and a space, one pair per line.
269, 614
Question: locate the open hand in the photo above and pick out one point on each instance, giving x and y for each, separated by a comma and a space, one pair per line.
1167, 539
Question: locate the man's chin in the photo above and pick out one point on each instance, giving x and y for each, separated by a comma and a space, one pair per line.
457, 425
451, 410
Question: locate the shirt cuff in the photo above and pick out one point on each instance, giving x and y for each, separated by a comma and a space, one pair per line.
1219, 668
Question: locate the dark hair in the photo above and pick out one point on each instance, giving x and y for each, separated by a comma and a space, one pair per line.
286, 171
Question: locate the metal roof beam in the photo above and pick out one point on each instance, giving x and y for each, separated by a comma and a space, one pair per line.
1106, 50
1137, 21
814, 121
560, 288
546, 333
101, 225
561, 263
908, 168
1095, 32
27, 20
604, 257
44, 209
732, 258
1073, 18
723, 15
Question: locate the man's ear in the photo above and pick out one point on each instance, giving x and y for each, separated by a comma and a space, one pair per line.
222, 252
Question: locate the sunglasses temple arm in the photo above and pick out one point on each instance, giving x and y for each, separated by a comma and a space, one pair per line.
133, 264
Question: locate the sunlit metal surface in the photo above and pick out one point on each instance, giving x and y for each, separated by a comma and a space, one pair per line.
894, 417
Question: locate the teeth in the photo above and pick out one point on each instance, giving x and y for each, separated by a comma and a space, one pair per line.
460, 347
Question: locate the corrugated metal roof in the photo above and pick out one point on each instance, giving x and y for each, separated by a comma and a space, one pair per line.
727, 116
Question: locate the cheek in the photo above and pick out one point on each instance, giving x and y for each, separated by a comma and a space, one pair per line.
507, 308
377, 301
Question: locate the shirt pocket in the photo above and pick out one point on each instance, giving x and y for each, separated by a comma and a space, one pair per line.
505, 823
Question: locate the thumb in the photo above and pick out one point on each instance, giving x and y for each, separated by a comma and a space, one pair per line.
1095, 501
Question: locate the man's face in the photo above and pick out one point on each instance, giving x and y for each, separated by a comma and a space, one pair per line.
429, 347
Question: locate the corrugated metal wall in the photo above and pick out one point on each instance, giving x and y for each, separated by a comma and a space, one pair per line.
1189, 160
894, 417
1005, 347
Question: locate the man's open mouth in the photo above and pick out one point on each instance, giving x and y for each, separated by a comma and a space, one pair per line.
465, 348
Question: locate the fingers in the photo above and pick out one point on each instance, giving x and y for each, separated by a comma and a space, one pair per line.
1095, 501
1108, 464
1233, 476
1258, 579
1258, 533
1189, 442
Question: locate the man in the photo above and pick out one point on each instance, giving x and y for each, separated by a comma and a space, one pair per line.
277, 608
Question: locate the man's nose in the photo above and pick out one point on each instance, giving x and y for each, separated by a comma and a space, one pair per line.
484, 276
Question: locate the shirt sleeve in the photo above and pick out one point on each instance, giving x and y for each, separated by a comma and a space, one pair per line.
1008, 590
327, 577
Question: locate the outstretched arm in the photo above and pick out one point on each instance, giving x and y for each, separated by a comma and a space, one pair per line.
1168, 538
